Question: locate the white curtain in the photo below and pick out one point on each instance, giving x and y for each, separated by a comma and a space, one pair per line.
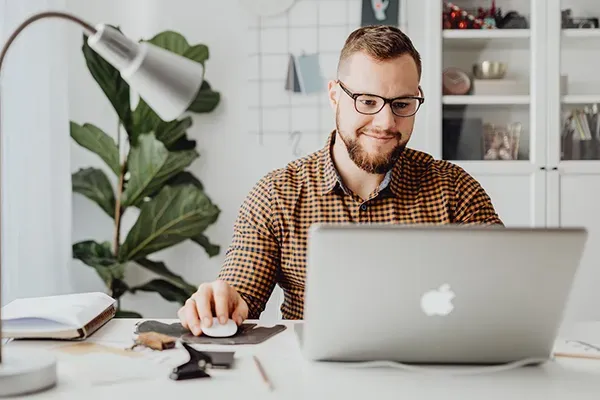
36, 184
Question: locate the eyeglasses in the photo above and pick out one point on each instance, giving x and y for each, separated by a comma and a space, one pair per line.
369, 104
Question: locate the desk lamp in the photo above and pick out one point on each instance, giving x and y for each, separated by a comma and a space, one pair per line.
168, 83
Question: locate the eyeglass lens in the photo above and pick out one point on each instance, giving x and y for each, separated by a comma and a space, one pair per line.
367, 104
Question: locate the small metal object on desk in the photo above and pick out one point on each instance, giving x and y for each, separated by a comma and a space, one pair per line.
196, 367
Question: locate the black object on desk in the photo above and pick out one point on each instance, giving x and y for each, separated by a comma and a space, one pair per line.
247, 333
195, 367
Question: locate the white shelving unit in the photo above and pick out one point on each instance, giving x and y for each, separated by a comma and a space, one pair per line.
543, 187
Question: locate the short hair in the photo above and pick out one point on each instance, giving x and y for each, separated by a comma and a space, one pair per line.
381, 42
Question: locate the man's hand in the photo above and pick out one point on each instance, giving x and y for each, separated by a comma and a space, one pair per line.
215, 299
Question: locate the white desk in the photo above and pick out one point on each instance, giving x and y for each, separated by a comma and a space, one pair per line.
294, 378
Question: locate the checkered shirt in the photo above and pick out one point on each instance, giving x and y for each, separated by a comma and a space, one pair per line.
270, 233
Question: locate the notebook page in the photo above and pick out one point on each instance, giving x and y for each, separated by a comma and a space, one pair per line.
73, 310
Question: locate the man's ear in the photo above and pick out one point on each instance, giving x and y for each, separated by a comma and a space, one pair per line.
333, 93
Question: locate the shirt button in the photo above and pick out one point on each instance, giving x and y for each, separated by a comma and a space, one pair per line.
363, 207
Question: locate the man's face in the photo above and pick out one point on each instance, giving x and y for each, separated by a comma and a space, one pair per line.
374, 142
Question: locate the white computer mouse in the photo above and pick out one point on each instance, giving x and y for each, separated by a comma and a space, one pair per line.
220, 330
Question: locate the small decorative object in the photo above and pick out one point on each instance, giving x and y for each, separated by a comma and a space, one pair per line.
456, 18
380, 12
489, 70
304, 74
266, 8
513, 20
501, 142
568, 22
455, 82
292, 84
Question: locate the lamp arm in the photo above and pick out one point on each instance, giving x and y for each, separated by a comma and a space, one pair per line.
46, 14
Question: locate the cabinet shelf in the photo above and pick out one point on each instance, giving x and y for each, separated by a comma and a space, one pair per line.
483, 100
477, 39
477, 34
581, 33
581, 98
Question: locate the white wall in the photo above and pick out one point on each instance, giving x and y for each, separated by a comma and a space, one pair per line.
36, 186
231, 160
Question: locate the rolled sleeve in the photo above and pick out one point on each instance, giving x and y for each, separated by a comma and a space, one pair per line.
253, 257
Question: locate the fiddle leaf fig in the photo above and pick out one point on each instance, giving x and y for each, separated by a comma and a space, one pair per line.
153, 178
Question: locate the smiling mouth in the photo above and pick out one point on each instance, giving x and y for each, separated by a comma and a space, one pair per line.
380, 138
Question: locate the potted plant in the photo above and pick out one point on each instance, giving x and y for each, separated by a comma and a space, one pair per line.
151, 177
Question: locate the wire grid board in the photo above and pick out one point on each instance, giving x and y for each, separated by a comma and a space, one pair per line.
308, 27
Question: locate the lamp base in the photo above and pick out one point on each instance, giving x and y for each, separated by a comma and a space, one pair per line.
26, 371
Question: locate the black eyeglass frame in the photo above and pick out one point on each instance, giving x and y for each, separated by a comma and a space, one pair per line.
354, 96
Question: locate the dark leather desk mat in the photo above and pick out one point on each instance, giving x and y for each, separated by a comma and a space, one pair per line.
246, 334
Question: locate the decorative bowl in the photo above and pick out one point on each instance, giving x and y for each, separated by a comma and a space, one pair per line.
489, 70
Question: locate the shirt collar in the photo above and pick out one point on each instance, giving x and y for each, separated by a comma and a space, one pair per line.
331, 179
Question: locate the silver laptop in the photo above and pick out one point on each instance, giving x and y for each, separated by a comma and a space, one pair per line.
436, 295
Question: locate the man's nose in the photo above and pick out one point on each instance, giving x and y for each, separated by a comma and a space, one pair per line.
385, 118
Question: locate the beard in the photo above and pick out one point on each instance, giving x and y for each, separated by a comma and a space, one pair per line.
371, 163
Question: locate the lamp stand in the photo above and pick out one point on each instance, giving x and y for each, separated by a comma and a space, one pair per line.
25, 371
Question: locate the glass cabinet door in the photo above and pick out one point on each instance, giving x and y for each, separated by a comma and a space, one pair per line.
486, 79
579, 83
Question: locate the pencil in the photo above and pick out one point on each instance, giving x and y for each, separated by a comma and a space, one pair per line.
265, 378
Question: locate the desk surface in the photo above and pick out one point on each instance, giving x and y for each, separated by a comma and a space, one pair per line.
95, 375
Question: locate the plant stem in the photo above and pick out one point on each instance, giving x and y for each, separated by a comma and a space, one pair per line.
118, 211
117, 234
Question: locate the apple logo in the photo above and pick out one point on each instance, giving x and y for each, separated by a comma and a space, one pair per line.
438, 301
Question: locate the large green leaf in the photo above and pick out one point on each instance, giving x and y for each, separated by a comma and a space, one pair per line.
176, 42
177, 213
118, 288
100, 257
112, 84
166, 289
171, 132
94, 184
198, 53
150, 165
145, 120
94, 139
184, 178
159, 268
172, 41
206, 100
211, 249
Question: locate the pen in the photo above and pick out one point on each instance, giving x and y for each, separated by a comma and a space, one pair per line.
265, 378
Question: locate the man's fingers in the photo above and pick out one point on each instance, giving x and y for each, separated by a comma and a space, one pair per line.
221, 296
203, 299
189, 315
240, 313
180, 315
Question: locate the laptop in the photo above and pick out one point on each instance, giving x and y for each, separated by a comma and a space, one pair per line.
436, 294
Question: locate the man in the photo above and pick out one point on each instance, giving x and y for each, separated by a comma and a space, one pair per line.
364, 174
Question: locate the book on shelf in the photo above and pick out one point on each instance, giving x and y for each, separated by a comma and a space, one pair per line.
70, 316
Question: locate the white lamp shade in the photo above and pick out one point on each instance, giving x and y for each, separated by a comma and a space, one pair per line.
168, 82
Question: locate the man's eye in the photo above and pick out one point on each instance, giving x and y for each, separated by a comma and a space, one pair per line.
369, 102
400, 105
